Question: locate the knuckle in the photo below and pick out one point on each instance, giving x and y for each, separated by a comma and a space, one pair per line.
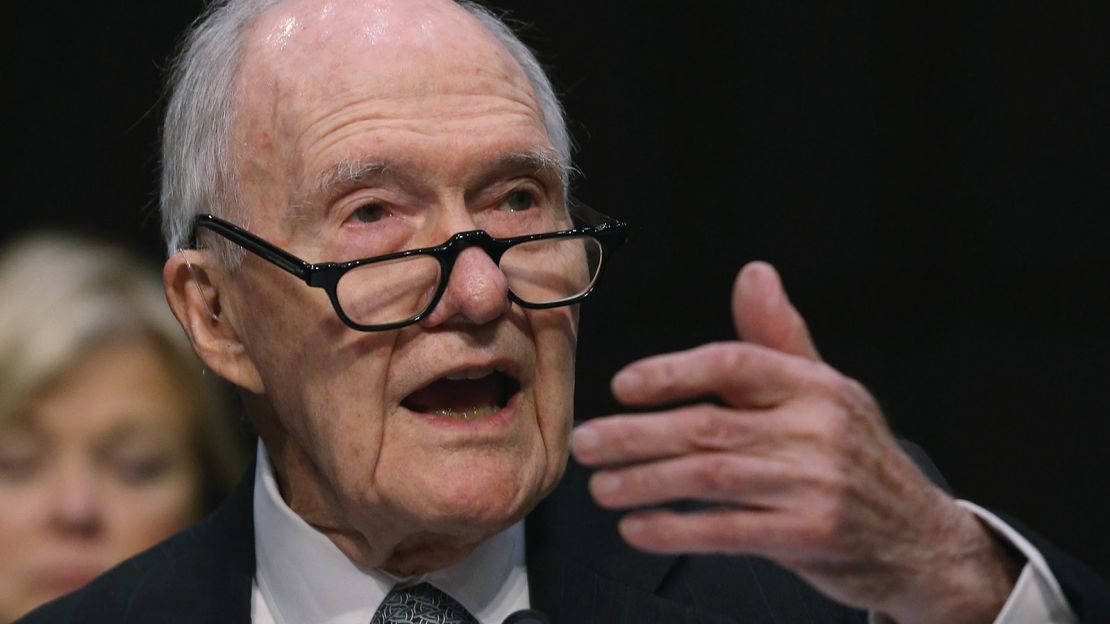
826, 380
715, 476
710, 429
845, 392
662, 375
852, 395
830, 427
728, 356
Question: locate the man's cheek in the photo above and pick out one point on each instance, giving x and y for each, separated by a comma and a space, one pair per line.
554, 393
555, 333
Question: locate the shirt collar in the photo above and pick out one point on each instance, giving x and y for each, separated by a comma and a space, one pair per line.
304, 577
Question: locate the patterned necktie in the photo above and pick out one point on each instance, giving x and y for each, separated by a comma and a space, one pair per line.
421, 604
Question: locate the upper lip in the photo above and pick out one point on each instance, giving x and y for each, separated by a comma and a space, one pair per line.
509, 366
475, 373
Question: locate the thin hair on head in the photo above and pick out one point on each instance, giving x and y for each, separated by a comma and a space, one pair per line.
198, 163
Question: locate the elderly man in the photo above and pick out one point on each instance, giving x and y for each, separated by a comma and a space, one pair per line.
366, 208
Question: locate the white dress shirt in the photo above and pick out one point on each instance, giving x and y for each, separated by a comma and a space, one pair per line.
302, 577
1036, 597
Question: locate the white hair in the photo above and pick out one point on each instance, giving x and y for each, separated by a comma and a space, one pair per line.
198, 175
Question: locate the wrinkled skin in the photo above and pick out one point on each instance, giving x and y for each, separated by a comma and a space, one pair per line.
416, 85
806, 469
422, 89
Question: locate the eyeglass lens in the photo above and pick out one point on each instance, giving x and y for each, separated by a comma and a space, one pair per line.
538, 272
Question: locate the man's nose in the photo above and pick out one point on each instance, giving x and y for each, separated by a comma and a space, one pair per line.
75, 501
477, 291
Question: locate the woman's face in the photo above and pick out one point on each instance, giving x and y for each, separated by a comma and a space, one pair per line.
101, 466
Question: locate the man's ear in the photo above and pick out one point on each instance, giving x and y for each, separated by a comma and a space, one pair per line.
192, 281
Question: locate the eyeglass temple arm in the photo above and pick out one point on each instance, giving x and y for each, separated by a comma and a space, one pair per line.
283, 259
588, 216
614, 231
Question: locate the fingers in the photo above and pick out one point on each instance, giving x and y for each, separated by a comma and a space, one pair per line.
634, 438
713, 477
761, 372
716, 531
763, 314
741, 374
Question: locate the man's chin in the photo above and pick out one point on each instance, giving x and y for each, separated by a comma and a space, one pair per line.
476, 515
474, 506
431, 511
451, 534
427, 552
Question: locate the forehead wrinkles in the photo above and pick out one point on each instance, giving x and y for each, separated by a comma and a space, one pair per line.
448, 119
411, 76
308, 65
306, 55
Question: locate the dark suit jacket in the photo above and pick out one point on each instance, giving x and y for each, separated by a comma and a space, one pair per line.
579, 572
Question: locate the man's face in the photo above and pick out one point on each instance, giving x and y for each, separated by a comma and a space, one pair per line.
365, 127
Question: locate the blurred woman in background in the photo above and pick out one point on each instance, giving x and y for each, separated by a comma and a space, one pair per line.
110, 437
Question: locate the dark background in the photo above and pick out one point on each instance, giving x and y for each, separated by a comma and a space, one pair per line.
930, 179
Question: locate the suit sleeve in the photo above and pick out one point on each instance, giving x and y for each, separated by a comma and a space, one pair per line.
1086, 593
1050, 571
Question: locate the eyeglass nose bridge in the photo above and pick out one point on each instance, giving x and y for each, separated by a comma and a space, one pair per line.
460, 242
473, 238
449, 252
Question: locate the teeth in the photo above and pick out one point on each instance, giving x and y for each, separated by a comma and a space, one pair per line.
467, 414
477, 373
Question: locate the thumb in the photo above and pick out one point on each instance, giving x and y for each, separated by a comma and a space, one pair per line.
764, 316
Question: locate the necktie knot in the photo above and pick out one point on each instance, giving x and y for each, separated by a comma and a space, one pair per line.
421, 604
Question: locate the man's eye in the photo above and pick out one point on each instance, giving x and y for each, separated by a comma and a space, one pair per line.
369, 213
520, 200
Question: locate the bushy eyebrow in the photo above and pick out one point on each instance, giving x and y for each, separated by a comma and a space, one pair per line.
340, 177
347, 175
540, 160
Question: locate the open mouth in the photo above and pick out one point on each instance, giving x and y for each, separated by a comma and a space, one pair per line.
468, 395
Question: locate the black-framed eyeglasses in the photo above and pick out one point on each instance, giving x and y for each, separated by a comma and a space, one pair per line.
397, 289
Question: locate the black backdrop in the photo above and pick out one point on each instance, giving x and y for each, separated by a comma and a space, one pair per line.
930, 178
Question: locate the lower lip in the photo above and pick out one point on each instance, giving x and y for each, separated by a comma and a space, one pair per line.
497, 421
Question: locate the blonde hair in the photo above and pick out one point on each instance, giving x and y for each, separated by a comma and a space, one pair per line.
62, 295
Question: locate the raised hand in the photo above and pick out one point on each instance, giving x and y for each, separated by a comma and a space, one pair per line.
798, 467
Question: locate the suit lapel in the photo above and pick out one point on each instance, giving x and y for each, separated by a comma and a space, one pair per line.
580, 571
232, 534
210, 574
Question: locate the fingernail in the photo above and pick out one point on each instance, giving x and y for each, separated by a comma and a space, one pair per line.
762, 280
585, 439
749, 278
626, 382
604, 484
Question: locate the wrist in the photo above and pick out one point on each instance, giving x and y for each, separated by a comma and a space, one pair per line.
965, 574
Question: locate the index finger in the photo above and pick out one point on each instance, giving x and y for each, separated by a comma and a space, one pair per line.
743, 374
634, 438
